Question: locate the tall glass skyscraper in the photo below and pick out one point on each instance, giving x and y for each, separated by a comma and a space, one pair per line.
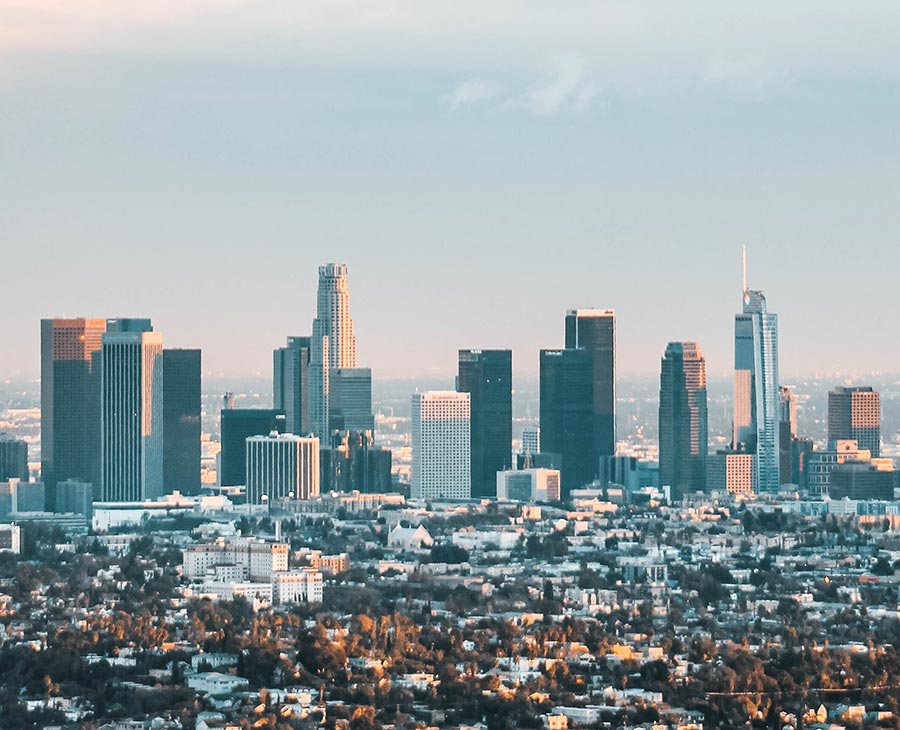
291, 384
70, 399
756, 396
683, 433
486, 375
567, 418
181, 421
595, 330
333, 343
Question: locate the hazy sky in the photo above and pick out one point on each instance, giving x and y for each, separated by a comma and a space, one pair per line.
479, 166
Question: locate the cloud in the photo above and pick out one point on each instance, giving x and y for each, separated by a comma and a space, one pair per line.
566, 89
473, 92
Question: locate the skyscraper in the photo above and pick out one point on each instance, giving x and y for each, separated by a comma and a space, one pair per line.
441, 442
291, 383
13, 458
333, 344
70, 400
855, 413
787, 434
683, 434
237, 425
131, 416
595, 330
350, 400
181, 421
486, 375
787, 412
567, 417
282, 465
756, 397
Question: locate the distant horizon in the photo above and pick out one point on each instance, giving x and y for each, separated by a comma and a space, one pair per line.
533, 376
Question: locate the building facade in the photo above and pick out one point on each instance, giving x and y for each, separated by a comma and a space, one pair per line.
237, 425
567, 416
131, 416
333, 342
282, 465
595, 330
683, 431
531, 440
13, 458
441, 443
731, 471
350, 400
756, 396
70, 399
528, 485
181, 421
855, 414
353, 462
486, 375
291, 384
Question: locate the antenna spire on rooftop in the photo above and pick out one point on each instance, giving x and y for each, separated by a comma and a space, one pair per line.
744, 268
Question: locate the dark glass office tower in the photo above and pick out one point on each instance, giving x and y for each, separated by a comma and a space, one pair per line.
70, 395
487, 376
595, 330
181, 421
237, 425
291, 384
567, 417
350, 400
13, 458
683, 433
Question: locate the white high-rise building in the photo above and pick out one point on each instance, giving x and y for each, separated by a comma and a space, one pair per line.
131, 416
333, 344
441, 428
280, 465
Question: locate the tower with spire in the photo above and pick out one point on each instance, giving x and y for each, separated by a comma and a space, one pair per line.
756, 396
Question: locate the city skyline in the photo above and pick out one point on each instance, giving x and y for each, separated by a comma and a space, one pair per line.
397, 365
632, 341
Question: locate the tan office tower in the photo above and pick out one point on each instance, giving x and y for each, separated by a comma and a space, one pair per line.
855, 413
333, 343
70, 399
131, 420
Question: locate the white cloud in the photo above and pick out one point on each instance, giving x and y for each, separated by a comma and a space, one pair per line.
473, 92
567, 89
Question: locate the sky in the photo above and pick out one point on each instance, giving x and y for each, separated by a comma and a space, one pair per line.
480, 167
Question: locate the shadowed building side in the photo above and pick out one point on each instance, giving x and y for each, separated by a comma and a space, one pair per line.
683, 431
